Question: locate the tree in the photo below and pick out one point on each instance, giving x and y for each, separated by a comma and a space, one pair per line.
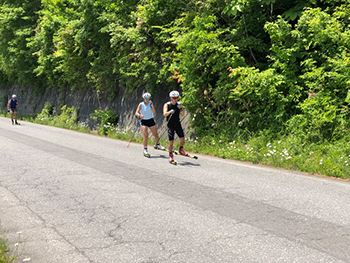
17, 23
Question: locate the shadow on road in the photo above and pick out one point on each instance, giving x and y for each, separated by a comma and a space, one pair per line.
187, 164
178, 162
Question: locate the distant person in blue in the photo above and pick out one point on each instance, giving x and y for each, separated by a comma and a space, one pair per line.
146, 112
12, 108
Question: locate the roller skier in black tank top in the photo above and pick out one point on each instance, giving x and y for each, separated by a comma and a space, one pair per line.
172, 111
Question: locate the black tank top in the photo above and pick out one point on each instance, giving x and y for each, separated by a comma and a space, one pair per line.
174, 120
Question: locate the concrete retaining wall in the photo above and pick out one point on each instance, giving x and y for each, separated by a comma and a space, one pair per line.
87, 101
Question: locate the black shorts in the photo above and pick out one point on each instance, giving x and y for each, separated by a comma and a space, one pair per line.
13, 109
148, 123
171, 132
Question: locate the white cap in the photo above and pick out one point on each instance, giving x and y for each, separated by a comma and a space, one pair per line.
146, 96
173, 94
14, 96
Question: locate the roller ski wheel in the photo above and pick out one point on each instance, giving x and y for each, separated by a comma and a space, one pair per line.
173, 162
146, 154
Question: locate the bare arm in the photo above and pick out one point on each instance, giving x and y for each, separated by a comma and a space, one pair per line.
165, 110
153, 108
137, 113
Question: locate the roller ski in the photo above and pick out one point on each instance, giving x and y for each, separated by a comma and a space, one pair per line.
146, 153
15, 123
186, 154
171, 159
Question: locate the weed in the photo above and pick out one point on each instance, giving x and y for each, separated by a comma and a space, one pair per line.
11, 253
4, 257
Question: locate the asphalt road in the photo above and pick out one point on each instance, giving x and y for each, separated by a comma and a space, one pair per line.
72, 197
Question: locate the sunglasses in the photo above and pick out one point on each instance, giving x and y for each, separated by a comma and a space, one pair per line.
175, 98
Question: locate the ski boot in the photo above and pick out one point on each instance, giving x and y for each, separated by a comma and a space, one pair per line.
171, 159
146, 154
159, 147
182, 152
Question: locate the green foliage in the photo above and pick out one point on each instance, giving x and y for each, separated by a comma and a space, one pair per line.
4, 101
17, 23
107, 120
74, 45
289, 152
320, 120
45, 116
65, 118
315, 55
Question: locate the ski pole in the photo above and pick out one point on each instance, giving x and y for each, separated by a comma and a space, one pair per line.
132, 137
171, 115
164, 129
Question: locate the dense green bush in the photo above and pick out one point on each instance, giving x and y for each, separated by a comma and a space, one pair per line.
106, 120
65, 117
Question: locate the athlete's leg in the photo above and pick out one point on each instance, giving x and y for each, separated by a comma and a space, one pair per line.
155, 133
145, 135
170, 146
182, 141
181, 135
171, 134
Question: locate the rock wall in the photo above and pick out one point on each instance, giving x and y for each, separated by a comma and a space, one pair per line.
87, 101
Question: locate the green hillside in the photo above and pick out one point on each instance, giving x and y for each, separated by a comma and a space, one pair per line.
266, 81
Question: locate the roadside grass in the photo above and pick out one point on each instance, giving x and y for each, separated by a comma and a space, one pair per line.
4, 257
7, 254
330, 159
12, 252
288, 152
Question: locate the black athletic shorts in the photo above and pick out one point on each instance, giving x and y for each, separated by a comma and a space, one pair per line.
148, 123
171, 132
13, 109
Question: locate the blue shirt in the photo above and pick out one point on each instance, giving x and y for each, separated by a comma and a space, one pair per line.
13, 104
147, 111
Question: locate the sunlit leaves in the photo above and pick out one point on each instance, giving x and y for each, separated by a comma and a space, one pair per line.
17, 21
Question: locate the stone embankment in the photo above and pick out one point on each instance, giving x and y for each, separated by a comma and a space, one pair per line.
87, 101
